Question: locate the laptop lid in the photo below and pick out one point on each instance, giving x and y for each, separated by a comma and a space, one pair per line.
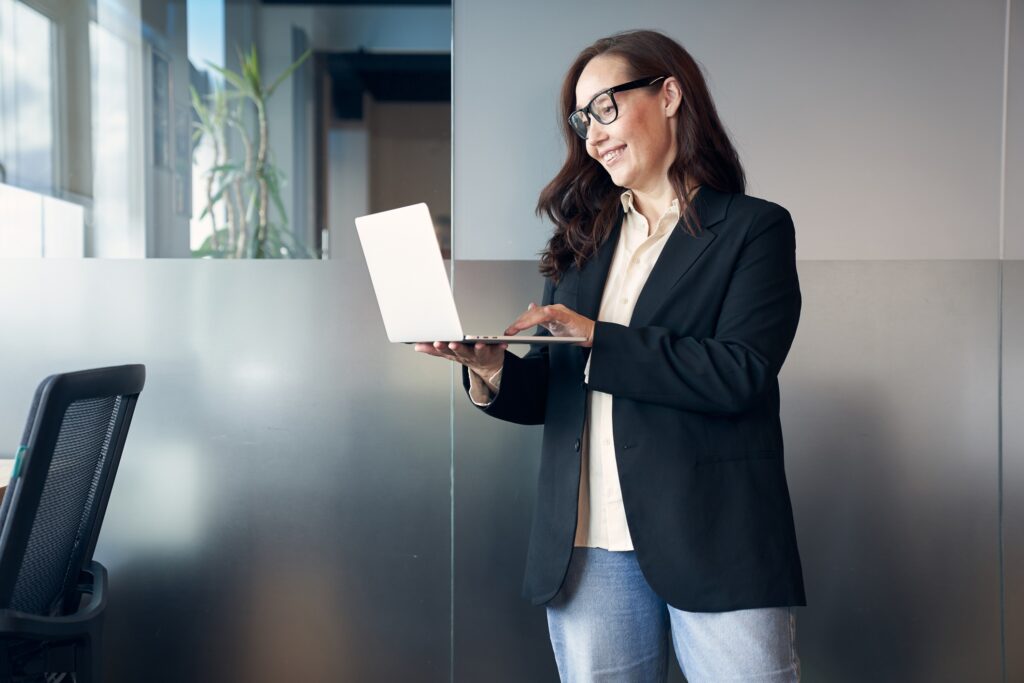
408, 275
411, 284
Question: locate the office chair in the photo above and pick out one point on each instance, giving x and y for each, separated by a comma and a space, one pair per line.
52, 593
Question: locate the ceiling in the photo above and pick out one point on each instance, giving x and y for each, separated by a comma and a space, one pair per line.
351, 3
388, 78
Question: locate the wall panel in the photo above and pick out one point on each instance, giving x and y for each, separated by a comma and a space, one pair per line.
1013, 464
1014, 220
282, 508
890, 419
878, 125
890, 414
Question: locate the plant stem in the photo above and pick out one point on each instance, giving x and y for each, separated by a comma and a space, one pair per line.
209, 192
243, 241
261, 177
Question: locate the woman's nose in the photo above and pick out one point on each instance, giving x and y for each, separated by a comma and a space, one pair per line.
596, 133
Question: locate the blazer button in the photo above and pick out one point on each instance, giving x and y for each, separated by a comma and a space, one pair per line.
576, 445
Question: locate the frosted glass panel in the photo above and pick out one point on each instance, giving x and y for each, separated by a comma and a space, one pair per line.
282, 507
889, 409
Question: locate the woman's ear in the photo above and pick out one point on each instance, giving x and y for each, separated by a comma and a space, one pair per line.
672, 96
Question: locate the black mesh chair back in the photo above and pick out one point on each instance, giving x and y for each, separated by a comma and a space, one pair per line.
54, 507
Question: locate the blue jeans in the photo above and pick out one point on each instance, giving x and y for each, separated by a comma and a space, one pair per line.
606, 624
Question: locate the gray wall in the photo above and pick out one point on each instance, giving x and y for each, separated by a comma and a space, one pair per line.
877, 124
881, 128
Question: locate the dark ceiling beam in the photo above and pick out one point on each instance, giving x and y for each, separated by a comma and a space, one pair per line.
354, 3
388, 78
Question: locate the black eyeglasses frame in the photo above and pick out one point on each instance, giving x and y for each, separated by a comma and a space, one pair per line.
590, 114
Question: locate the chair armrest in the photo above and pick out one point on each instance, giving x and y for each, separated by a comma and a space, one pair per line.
92, 581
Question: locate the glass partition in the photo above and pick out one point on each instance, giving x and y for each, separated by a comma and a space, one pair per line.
203, 128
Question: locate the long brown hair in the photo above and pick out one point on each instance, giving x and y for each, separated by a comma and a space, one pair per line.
582, 201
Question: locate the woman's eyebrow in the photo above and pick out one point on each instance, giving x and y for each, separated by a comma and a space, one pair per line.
597, 92
590, 99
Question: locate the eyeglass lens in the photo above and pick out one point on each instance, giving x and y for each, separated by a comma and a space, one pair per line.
602, 108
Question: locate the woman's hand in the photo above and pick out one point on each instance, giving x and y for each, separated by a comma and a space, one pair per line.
483, 359
558, 320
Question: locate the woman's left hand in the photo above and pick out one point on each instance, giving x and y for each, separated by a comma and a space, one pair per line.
557, 319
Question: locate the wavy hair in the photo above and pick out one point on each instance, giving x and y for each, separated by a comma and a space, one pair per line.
581, 199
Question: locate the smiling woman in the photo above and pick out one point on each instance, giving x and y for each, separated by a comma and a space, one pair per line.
691, 146
662, 513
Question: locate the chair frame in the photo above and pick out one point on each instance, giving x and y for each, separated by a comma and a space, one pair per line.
76, 624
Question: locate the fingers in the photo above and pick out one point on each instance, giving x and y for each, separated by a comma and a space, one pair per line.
439, 349
463, 353
517, 324
479, 355
423, 347
536, 315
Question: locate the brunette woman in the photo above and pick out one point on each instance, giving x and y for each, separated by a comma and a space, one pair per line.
662, 513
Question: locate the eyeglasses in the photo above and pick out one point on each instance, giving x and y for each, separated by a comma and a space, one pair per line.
603, 108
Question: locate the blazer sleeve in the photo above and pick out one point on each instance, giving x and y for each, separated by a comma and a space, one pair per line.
724, 374
522, 394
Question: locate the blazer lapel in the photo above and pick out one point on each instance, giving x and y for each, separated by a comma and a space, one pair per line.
680, 253
595, 273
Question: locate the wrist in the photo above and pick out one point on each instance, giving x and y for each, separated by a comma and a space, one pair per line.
486, 372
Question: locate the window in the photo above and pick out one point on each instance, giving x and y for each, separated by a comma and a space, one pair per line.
27, 97
117, 157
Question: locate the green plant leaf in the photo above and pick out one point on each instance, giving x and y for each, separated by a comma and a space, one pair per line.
222, 168
275, 194
250, 209
200, 108
208, 250
288, 72
251, 72
232, 78
216, 196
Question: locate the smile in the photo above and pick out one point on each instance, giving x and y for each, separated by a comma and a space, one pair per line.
611, 155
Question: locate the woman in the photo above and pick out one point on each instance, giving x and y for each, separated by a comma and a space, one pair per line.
662, 511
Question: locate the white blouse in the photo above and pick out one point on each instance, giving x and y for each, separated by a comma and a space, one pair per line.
602, 517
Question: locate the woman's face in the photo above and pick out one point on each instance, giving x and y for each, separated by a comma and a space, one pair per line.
637, 148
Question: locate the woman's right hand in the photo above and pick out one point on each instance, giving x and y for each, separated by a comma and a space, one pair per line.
483, 359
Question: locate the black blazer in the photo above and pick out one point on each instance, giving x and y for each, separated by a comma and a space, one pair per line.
698, 440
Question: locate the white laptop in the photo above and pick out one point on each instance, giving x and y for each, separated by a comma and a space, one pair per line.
410, 282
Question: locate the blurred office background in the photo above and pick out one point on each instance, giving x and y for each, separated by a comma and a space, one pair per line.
300, 500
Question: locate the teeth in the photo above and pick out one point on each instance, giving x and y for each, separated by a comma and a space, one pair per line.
612, 155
